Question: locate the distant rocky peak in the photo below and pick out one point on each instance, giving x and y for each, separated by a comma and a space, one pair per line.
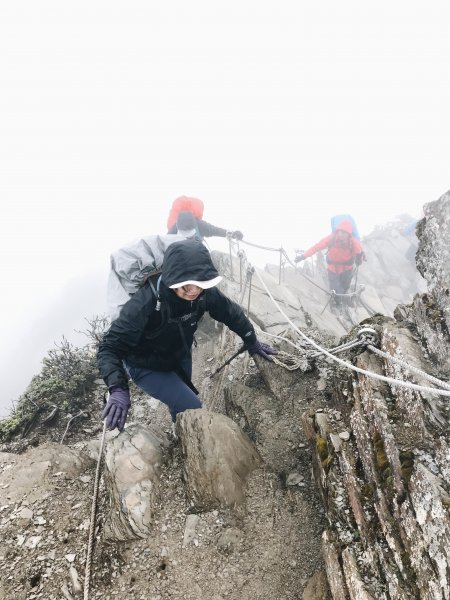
433, 256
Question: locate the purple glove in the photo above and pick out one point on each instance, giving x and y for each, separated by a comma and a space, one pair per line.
262, 349
116, 410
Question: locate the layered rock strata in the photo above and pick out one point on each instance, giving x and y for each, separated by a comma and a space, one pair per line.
383, 465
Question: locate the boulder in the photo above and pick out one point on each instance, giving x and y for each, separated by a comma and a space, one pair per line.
133, 461
218, 458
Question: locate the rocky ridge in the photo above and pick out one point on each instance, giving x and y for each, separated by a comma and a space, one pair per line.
232, 509
385, 488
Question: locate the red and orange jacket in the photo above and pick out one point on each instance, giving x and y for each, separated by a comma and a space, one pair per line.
341, 253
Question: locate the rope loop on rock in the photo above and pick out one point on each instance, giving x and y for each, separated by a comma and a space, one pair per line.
287, 361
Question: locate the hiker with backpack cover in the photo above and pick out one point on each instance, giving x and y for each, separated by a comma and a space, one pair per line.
343, 251
151, 340
132, 265
186, 218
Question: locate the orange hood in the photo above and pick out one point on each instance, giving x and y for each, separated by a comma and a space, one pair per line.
345, 226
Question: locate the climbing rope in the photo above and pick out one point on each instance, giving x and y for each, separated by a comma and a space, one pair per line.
283, 255
279, 337
335, 350
341, 348
347, 365
87, 575
287, 361
409, 367
330, 353
305, 276
261, 247
293, 363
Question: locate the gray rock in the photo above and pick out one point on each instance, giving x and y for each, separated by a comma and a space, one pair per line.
229, 539
336, 440
294, 479
317, 587
190, 529
76, 585
133, 461
218, 458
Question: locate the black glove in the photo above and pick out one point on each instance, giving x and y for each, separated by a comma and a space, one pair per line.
237, 235
262, 349
116, 409
299, 258
359, 259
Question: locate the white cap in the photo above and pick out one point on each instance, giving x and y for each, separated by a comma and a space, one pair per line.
187, 233
205, 285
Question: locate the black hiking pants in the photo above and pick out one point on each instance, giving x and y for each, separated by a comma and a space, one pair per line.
340, 282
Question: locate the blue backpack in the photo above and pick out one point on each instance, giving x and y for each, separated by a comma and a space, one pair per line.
339, 218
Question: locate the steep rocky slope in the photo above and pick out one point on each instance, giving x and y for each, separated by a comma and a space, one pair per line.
386, 488
296, 469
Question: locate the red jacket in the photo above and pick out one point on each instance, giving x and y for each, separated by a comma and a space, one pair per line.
341, 253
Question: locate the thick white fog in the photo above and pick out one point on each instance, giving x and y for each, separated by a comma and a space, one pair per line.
276, 116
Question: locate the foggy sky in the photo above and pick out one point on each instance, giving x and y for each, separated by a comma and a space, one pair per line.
276, 116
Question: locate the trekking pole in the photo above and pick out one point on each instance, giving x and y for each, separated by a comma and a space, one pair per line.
324, 308
332, 296
227, 362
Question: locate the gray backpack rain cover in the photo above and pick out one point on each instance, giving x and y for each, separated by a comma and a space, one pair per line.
131, 264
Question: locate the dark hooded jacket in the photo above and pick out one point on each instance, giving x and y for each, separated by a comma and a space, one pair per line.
144, 336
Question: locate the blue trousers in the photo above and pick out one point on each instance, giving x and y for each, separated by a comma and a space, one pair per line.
167, 386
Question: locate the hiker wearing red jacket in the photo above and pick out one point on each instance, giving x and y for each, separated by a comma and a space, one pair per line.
343, 251
186, 218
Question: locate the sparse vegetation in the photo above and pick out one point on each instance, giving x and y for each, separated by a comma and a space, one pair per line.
67, 375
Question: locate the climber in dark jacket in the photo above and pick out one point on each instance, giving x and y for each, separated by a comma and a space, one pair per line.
151, 339
190, 226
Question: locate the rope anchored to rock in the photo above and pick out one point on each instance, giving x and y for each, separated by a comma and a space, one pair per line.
288, 361
347, 365
408, 367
